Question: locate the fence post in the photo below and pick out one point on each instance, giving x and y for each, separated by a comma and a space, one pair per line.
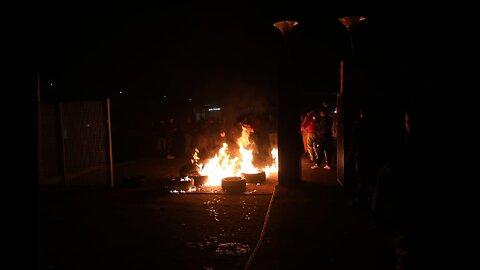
40, 160
62, 143
109, 145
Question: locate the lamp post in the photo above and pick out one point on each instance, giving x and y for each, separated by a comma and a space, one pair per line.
344, 115
349, 22
285, 26
289, 161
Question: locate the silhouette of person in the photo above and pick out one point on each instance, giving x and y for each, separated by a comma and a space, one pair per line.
324, 140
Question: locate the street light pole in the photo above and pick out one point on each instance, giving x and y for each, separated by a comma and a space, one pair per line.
349, 22
289, 161
344, 116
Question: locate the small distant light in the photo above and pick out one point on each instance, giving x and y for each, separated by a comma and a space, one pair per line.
165, 96
51, 84
120, 92
88, 125
214, 109
189, 99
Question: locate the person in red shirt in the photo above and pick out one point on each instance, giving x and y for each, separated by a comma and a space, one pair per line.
310, 125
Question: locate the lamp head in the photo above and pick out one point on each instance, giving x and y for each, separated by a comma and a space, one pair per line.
285, 26
350, 21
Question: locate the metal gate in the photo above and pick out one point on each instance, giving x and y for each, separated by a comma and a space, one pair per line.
74, 143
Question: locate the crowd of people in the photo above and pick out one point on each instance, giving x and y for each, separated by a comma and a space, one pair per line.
319, 131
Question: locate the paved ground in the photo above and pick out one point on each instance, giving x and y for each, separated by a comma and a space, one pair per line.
314, 226
141, 225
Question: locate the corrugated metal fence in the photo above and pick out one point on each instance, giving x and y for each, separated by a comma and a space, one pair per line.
74, 144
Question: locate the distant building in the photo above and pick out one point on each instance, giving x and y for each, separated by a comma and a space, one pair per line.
207, 111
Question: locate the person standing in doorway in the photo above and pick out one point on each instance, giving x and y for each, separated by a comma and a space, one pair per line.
324, 139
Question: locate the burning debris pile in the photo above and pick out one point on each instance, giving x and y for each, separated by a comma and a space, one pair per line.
229, 169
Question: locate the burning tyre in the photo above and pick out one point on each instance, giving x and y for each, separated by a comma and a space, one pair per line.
234, 184
199, 180
258, 177
180, 184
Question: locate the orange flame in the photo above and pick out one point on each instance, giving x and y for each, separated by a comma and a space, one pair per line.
223, 165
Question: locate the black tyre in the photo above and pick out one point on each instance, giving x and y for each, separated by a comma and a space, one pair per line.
199, 180
234, 184
180, 183
258, 177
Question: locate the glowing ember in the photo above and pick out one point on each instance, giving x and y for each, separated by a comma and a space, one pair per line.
224, 165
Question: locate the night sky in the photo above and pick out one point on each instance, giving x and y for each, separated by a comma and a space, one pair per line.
203, 50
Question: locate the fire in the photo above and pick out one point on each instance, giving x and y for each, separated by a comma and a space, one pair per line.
219, 167
224, 165
274, 167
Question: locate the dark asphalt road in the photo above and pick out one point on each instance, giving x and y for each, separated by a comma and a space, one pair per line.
312, 226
